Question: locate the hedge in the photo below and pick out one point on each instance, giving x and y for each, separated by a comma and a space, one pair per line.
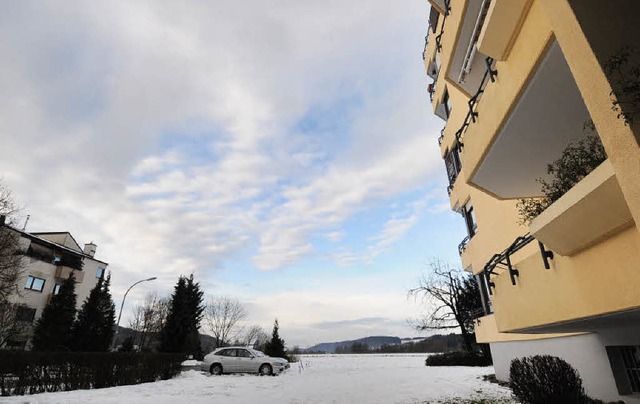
458, 358
25, 372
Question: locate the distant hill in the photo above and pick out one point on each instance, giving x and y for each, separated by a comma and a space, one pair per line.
371, 342
434, 343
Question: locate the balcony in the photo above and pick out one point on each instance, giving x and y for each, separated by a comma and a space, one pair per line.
594, 288
501, 26
592, 210
466, 65
63, 272
548, 115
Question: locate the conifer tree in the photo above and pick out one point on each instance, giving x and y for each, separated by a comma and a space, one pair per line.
275, 347
95, 326
53, 329
180, 331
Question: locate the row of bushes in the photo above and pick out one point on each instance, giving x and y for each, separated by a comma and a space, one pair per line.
459, 358
25, 372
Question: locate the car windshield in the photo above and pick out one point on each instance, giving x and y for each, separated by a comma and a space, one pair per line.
257, 353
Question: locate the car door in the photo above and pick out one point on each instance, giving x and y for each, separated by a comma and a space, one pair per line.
227, 358
245, 361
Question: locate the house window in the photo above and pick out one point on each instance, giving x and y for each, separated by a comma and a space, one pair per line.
99, 272
447, 103
57, 260
470, 219
484, 294
56, 289
34, 283
24, 313
453, 163
631, 359
625, 364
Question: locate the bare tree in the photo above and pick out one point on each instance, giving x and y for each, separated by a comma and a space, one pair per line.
148, 318
255, 336
11, 267
223, 316
12, 328
452, 300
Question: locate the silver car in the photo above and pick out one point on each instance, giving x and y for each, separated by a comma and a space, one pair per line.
240, 359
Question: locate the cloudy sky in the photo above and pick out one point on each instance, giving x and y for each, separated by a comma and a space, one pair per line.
282, 151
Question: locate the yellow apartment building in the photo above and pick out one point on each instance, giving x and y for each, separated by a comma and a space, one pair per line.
516, 83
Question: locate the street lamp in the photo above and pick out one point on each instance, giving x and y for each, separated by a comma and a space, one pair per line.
123, 299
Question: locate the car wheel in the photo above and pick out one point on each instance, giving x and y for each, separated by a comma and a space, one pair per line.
216, 369
266, 370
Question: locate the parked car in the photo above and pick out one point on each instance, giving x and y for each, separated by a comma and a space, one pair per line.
240, 359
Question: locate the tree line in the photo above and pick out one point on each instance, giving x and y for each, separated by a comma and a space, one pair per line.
434, 343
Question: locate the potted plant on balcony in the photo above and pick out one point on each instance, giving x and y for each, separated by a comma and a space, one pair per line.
577, 161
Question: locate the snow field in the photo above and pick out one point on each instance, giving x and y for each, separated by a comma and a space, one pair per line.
315, 379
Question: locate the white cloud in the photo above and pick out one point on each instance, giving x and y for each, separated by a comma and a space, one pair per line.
169, 133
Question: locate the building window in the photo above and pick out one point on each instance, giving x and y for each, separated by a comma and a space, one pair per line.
631, 358
57, 260
34, 283
484, 294
453, 163
625, 364
470, 219
447, 103
24, 313
56, 289
99, 272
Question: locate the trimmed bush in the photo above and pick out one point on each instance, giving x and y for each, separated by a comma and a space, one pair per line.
544, 379
25, 372
458, 358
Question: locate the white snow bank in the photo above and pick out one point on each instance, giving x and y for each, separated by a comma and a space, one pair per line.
315, 379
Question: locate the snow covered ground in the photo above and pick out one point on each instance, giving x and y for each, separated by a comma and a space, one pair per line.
315, 379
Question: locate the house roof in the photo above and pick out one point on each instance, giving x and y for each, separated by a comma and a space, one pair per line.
36, 237
75, 244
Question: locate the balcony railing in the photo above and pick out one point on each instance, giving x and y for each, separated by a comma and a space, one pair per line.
444, 20
503, 259
472, 115
462, 247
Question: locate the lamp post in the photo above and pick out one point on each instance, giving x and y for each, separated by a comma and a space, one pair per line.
122, 305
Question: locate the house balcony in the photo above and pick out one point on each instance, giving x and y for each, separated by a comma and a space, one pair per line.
486, 330
465, 249
63, 272
594, 209
595, 288
501, 26
543, 120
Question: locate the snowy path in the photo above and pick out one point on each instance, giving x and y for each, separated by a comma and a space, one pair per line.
321, 379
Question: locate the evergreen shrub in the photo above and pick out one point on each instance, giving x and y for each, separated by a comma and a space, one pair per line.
544, 379
30, 372
459, 358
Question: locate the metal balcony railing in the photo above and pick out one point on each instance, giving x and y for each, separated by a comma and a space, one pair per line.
503, 259
462, 247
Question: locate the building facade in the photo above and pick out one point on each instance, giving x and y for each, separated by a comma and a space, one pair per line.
48, 259
518, 84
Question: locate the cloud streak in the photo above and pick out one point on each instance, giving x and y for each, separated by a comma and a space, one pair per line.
187, 137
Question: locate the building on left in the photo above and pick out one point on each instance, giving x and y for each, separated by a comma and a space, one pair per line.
48, 259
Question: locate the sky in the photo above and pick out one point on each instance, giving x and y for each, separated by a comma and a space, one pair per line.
284, 152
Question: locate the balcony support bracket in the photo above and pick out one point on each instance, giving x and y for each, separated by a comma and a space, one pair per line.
513, 272
493, 73
546, 255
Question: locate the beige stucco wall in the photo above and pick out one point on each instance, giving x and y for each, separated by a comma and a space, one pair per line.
47, 271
